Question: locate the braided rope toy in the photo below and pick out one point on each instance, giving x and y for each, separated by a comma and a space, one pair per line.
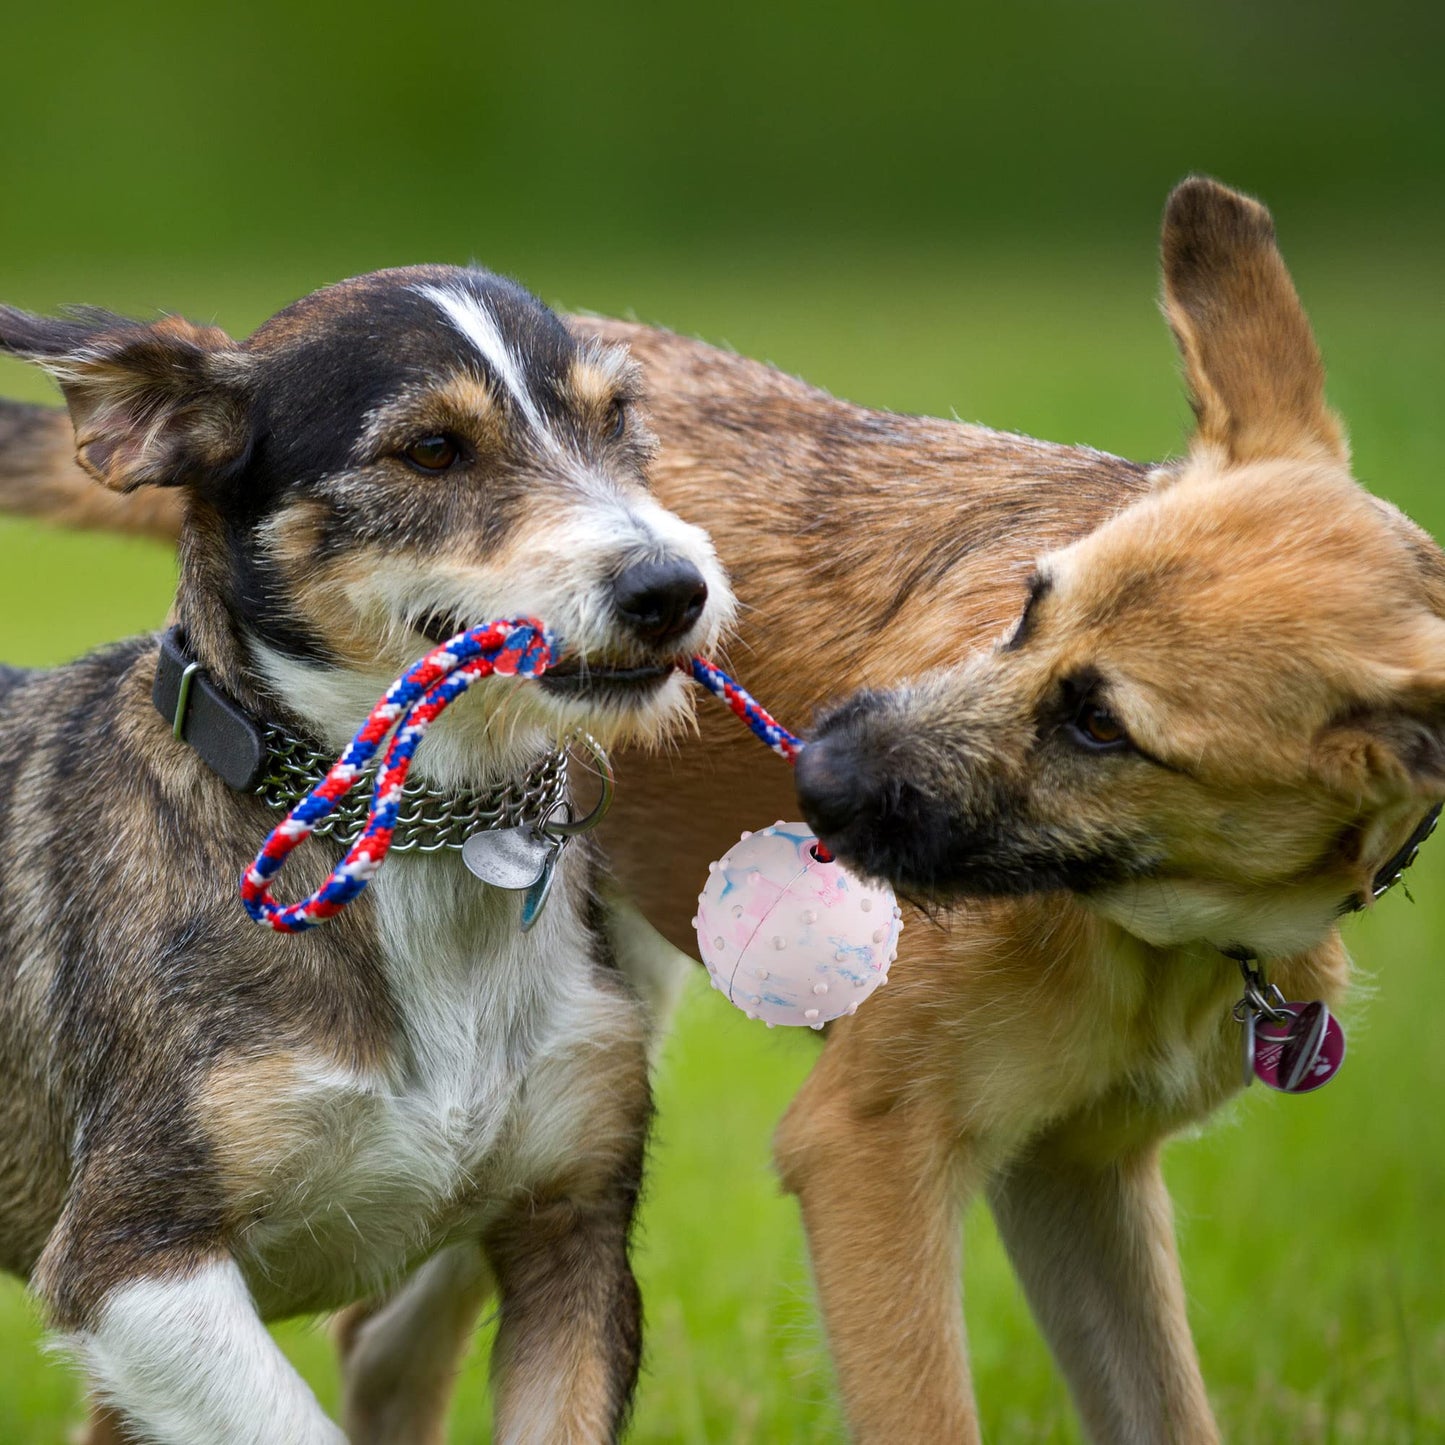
744, 705
760, 721
518, 646
511, 647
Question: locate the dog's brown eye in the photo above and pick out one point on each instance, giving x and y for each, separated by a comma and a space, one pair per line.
616, 422
432, 454
1099, 727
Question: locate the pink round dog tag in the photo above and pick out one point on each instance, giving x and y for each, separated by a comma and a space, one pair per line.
1300, 1052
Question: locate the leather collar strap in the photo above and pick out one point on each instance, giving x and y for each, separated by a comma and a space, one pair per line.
227, 739
1391, 871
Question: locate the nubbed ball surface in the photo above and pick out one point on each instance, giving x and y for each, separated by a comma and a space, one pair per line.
790, 939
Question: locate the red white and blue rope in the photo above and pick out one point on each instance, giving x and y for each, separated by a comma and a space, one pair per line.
762, 723
513, 647
518, 646
744, 705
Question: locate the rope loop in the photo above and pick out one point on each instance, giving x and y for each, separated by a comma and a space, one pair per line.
512, 647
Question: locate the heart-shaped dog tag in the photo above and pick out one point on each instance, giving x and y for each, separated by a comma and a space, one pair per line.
535, 898
514, 858
1302, 1051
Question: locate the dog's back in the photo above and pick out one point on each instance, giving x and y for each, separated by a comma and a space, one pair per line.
11, 678
867, 546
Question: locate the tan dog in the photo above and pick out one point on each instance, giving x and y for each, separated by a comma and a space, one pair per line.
1155, 712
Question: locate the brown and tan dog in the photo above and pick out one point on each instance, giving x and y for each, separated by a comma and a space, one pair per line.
1150, 712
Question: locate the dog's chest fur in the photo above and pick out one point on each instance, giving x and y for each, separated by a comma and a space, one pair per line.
352, 1173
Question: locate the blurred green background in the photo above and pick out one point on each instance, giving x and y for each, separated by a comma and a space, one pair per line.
920, 207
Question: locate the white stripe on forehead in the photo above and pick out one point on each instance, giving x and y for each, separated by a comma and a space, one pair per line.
469, 314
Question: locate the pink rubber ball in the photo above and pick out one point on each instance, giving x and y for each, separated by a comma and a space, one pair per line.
790, 939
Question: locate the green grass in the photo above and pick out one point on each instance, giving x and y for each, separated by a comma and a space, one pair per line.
1312, 1228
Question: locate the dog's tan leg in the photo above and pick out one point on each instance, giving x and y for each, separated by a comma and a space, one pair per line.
881, 1195
1093, 1244
400, 1356
570, 1339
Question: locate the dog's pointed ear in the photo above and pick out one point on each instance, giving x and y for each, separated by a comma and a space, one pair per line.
1256, 381
164, 404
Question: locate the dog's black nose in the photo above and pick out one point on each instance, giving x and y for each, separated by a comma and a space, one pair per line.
831, 787
659, 601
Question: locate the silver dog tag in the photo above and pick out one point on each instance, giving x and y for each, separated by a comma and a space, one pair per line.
514, 858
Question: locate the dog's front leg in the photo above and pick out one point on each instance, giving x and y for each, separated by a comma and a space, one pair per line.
183, 1359
570, 1338
1093, 1244
882, 1190
399, 1356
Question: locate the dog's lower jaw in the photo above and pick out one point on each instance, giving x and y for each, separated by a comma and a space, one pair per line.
493, 732
1180, 912
928, 865
645, 719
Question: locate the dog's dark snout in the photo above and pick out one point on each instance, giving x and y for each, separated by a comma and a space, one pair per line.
659, 601
830, 784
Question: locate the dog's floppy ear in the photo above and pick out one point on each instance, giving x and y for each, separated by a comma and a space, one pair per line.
166, 403
1391, 752
1256, 381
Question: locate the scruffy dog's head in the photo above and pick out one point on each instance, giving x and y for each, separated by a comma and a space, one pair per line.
1219, 713
386, 462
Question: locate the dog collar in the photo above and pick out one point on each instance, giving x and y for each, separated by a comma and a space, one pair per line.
281, 767
1386, 877
1394, 868
1296, 1047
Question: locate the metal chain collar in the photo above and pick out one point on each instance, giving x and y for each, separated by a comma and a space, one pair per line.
427, 820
